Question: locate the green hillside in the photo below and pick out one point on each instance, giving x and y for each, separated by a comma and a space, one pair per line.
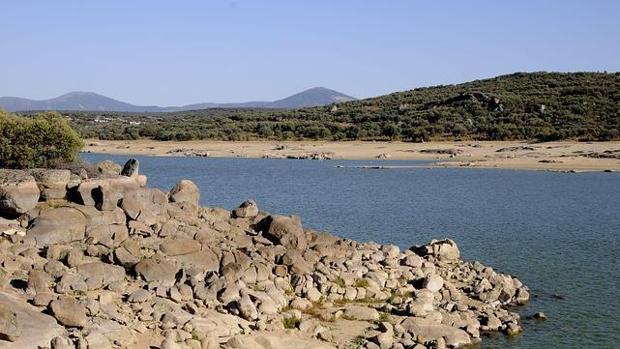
542, 106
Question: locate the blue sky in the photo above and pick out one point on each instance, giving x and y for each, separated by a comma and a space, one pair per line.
180, 52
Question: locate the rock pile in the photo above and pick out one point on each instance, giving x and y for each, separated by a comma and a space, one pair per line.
105, 262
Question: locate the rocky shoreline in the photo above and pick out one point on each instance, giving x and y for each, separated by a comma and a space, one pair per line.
96, 259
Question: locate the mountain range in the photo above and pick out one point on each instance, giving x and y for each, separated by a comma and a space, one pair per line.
90, 101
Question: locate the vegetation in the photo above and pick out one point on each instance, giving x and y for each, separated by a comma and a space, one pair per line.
540, 106
41, 140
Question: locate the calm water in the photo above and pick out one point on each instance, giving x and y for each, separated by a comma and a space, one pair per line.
559, 233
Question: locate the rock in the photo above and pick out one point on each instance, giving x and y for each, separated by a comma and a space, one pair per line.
175, 247
433, 282
185, 191
131, 168
283, 230
58, 226
60, 343
52, 183
445, 249
99, 275
94, 192
247, 209
69, 312
162, 271
427, 330
357, 312
274, 341
37, 329
539, 316
144, 205
10, 329
19, 192
247, 309
109, 168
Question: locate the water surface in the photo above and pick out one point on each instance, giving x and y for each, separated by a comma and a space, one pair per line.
559, 233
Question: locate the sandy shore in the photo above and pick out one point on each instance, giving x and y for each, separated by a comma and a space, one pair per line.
561, 156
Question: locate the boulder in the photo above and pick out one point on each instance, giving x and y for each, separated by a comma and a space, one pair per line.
144, 205
109, 168
162, 271
52, 183
58, 226
69, 312
247, 209
90, 192
268, 340
427, 330
362, 313
98, 274
131, 168
19, 192
283, 230
175, 247
433, 282
9, 327
444, 249
185, 191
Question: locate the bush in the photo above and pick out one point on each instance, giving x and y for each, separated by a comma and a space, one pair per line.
42, 140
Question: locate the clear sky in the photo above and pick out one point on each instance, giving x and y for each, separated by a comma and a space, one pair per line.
180, 52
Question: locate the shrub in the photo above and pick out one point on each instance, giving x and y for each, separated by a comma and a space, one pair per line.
42, 140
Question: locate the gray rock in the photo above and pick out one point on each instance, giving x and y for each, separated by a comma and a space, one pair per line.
9, 327
109, 168
247, 209
69, 312
163, 271
58, 226
283, 230
52, 183
19, 192
358, 312
185, 191
445, 249
433, 282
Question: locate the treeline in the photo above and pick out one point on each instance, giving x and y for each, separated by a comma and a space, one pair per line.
533, 106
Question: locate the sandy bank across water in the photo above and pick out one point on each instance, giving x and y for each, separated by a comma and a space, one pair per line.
561, 156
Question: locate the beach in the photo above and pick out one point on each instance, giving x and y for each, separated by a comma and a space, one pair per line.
555, 156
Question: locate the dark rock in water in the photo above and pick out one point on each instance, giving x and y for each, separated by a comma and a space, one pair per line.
539, 316
131, 168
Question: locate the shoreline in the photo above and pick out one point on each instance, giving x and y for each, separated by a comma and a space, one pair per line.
565, 156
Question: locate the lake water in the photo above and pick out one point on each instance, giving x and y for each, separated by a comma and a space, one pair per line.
559, 233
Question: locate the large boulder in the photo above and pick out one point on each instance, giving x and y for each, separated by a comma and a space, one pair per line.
69, 312
428, 330
19, 192
109, 168
58, 226
98, 274
101, 191
443, 249
284, 230
144, 205
247, 209
52, 183
266, 340
185, 191
9, 327
163, 272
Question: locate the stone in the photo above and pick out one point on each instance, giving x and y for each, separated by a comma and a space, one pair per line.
58, 226
69, 312
52, 183
283, 230
93, 192
247, 309
161, 271
247, 209
99, 275
109, 168
444, 249
19, 192
362, 313
427, 330
10, 329
539, 316
144, 205
185, 191
131, 168
60, 343
179, 246
433, 282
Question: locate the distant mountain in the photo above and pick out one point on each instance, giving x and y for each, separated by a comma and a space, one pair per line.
89, 101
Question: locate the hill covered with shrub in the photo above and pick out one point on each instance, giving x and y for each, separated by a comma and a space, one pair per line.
542, 106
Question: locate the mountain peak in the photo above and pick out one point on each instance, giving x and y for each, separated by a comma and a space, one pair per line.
91, 101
